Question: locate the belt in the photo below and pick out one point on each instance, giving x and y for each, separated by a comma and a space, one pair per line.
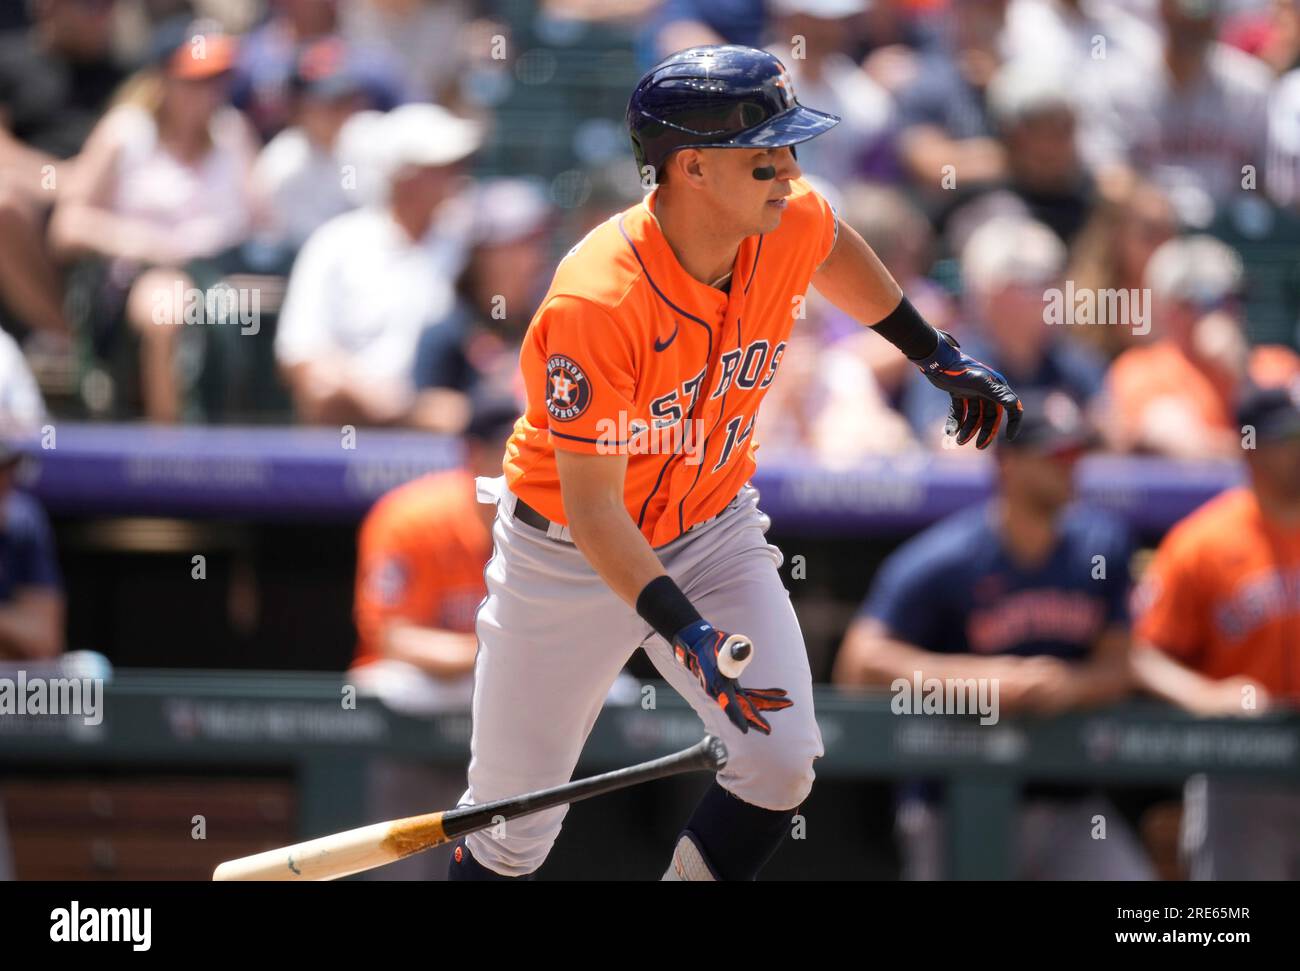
526, 514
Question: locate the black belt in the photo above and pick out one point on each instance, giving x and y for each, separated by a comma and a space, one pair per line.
525, 513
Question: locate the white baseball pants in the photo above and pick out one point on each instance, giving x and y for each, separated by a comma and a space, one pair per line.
552, 637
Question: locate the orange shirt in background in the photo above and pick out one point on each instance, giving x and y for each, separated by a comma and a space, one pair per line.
420, 558
630, 353
1143, 375
1222, 595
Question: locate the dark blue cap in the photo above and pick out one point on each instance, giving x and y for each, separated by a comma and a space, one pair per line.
719, 96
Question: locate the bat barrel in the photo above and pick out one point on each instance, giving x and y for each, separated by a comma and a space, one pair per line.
339, 854
367, 847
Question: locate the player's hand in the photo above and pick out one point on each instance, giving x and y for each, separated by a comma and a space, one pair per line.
701, 649
1228, 698
980, 395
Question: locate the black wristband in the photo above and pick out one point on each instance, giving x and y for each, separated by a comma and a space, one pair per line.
664, 607
907, 330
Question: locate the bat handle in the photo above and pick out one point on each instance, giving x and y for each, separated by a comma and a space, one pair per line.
734, 655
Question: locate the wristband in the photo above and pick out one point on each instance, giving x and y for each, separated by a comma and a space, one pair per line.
907, 330
664, 607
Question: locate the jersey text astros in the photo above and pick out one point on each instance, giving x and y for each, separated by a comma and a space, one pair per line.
628, 346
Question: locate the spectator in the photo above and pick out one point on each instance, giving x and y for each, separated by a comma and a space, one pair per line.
1035, 112
31, 594
164, 181
1008, 266
1112, 252
1082, 36
1284, 141
32, 605
1010, 592
679, 24
824, 74
21, 407
369, 281
1217, 634
403, 32
475, 350
300, 173
267, 59
55, 78
827, 407
901, 236
947, 133
1175, 394
892, 34
420, 561
1269, 30
1097, 46
1195, 124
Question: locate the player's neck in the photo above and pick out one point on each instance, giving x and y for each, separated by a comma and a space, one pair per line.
705, 253
1279, 507
1029, 531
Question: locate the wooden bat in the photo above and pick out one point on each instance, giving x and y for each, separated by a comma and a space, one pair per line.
367, 847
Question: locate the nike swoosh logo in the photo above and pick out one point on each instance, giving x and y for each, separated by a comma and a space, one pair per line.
663, 346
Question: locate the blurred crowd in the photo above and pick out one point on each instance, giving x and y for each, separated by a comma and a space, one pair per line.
276, 210
288, 210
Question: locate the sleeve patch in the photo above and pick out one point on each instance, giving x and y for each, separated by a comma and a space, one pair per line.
568, 391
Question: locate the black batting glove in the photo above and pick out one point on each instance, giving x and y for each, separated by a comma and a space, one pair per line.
697, 648
980, 395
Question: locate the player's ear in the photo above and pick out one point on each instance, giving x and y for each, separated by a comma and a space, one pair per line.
690, 164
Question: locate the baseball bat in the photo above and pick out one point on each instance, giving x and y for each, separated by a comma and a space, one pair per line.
367, 847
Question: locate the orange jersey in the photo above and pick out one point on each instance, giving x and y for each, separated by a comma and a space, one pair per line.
630, 353
420, 559
1223, 595
1142, 375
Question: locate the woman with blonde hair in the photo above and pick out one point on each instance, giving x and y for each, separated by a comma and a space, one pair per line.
164, 181
1112, 251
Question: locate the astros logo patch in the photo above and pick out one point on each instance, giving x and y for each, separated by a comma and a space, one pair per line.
568, 392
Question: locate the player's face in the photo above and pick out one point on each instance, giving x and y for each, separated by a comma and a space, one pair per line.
1276, 466
748, 205
1042, 478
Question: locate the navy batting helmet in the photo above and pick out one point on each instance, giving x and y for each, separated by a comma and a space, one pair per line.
718, 97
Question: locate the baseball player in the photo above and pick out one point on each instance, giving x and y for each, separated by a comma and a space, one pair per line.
625, 517
1025, 611
1219, 634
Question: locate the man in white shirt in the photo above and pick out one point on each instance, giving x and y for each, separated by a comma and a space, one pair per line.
301, 171
1194, 126
815, 38
22, 410
367, 282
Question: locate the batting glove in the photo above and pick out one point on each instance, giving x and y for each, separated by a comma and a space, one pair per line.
980, 394
700, 649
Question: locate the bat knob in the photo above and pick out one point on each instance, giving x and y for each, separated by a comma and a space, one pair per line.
715, 751
734, 655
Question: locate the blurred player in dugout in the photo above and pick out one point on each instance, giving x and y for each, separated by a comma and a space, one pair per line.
420, 560
1219, 634
1026, 606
